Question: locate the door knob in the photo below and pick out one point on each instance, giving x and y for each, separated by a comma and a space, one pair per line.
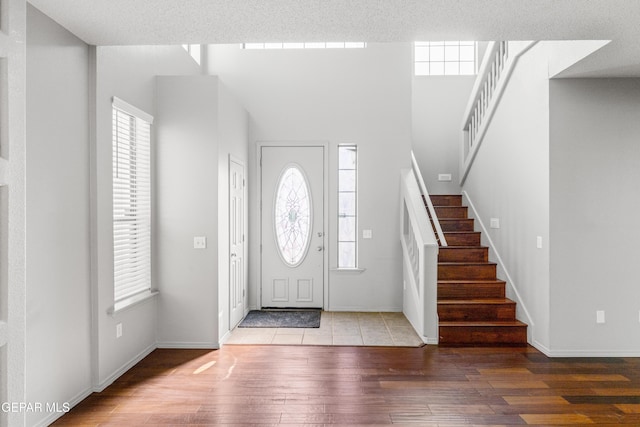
320, 248
233, 255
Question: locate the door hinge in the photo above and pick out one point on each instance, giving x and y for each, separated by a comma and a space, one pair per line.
243, 238
243, 293
243, 183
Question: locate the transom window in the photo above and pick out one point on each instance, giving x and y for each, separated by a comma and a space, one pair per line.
194, 51
441, 58
312, 45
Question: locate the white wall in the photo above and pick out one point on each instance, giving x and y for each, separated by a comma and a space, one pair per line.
509, 180
595, 171
199, 124
361, 96
13, 266
438, 103
128, 73
58, 238
187, 206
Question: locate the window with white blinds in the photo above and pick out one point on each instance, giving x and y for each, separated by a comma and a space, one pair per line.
131, 200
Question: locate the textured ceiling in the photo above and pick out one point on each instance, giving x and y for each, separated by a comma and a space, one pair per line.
135, 22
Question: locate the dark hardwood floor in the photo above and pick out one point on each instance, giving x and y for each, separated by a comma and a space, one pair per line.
313, 385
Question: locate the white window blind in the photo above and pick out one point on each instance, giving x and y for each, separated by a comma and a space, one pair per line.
131, 200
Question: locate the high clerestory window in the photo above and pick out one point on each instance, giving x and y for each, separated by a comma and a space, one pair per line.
194, 51
445, 58
313, 45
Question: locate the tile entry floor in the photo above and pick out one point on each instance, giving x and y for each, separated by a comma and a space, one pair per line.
337, 328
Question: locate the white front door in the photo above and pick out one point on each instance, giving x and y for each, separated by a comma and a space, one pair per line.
237, 280
292, 223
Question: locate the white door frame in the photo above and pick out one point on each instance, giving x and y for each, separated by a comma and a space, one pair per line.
245, 246
325, 213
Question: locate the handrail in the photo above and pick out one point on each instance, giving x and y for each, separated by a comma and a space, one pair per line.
420, 261
425, 193
496, 68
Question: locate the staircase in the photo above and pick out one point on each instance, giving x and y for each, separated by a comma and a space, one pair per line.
472, 307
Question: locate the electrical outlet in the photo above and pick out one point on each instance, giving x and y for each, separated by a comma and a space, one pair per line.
367, 234
539, 242
600, 316
494, 223
199, 242
118, 330
444, 177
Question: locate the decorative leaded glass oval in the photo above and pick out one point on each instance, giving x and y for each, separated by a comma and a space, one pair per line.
292, 215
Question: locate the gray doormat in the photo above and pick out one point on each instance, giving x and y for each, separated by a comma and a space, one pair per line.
281, 319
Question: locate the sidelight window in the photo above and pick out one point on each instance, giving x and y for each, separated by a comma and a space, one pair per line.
347, 206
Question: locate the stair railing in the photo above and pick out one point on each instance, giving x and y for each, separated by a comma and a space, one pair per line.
493, 75
427, 200
420, 261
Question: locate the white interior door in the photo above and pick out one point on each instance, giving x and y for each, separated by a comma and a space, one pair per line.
237, 279
292, 223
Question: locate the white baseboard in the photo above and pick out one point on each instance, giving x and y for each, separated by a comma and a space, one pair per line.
53, 416
541, 347
118, 373
189, 345
430, 341
585, 353
224, 338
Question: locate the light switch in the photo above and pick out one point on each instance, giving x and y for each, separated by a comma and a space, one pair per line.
600, 316
367, 234
539, 242
444, 177
494, 223
199, 242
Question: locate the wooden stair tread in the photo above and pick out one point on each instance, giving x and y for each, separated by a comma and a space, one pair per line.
464, 247
471, 282
462, 263
476, 324
460, 233
478, 301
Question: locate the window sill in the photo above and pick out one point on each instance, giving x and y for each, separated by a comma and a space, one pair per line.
126, 304
349, 270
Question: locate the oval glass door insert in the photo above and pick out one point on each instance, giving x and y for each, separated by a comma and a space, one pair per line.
292, 215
